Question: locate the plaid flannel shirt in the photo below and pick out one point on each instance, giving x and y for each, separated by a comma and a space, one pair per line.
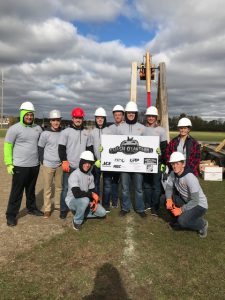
193, 153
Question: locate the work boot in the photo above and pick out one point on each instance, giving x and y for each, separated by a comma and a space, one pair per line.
123, 213
107, 209
76, 226
142, 214
11, 221
154, 212
35, 212
47, 214
63, 214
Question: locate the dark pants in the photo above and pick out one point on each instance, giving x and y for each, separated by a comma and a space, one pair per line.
23, 178
110, 187
192, 218
63, 206
152, 190
97, 178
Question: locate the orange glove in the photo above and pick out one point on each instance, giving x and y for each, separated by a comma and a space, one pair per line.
169, 204
176, 211
95, 197
65, 166
94, 202
93, 206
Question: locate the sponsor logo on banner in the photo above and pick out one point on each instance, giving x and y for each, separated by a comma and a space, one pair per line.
106, 164
151, 161
134, 160
120, 160
149, 168
117, 166
130, 146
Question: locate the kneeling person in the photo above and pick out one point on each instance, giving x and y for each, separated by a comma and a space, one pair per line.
81, 196
185, 198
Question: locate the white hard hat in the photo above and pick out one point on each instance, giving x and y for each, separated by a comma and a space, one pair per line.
87, 155
118, 108
27, 106
55, 114
176, 156
184, 122
100, 112
131, 106
151, 111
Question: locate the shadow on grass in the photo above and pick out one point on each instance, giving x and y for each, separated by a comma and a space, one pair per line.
108, 285
39, 203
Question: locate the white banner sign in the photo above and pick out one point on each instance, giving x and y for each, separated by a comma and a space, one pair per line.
129, 153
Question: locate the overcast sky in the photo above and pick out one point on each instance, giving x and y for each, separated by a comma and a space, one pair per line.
60, 54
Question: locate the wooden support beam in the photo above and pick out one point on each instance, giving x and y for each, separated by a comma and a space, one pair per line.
133, 86
220, 146
162, 99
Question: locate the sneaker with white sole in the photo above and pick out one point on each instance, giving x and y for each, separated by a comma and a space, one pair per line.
203, 232
76, 226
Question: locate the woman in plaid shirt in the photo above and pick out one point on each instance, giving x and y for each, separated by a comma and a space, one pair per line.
185, 144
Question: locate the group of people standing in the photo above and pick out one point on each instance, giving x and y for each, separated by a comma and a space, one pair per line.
72, 159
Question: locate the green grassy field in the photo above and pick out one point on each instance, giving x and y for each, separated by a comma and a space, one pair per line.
125, 258
204, 136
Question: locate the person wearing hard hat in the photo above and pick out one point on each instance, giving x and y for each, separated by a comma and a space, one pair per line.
185, 198
152, 182
82, 197
186, 144
49, 157
131, 126
118, 115
112, 178
21, 158
72, 142
94, 144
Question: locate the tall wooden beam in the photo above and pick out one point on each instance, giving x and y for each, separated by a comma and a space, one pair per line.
133, 87
162, 99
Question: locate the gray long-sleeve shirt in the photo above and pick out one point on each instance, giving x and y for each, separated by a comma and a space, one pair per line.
132, 129
75, 142
85, 181
95, 139
189, 190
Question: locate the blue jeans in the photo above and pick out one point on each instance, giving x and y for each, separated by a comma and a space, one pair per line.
63, 206
152, 190
107, 186
82, 208
126, 179
192, 218
110, 187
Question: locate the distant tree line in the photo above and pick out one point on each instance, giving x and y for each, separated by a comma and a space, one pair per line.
198, 124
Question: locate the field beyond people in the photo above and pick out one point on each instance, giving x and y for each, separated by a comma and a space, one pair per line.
113, 258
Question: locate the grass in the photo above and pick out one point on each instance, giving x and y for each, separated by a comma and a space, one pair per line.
92, 264
3, 132
204, 136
